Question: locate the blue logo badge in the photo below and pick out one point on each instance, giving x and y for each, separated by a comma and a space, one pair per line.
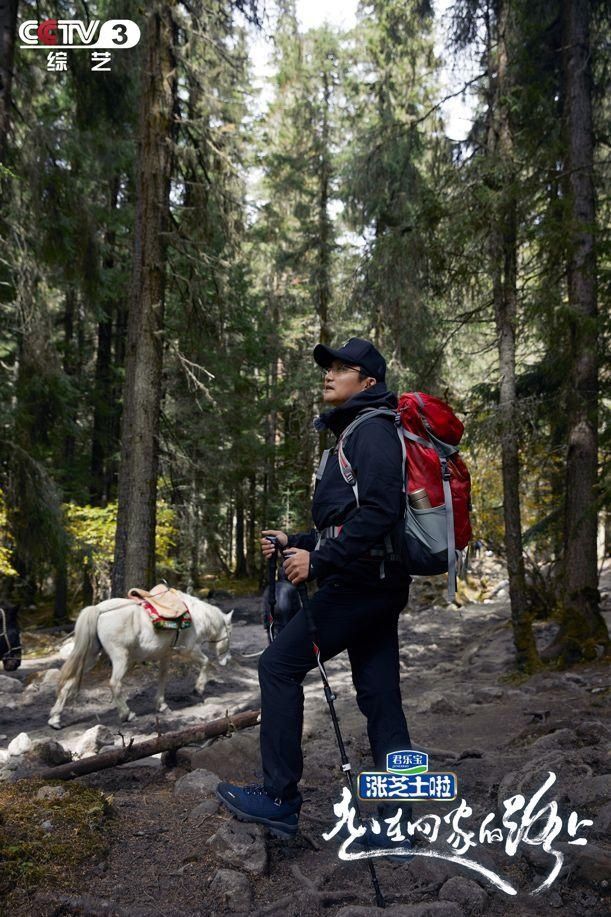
407, 777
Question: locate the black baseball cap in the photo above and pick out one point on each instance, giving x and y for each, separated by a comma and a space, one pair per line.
356, 352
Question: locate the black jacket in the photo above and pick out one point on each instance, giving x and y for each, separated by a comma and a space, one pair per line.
374, 451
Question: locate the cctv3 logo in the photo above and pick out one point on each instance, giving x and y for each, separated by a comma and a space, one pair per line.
73, 33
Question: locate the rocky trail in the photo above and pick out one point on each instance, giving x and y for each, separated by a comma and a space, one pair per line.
172, 851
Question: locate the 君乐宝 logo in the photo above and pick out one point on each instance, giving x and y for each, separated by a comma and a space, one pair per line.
407, 777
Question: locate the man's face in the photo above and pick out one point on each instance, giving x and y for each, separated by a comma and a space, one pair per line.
341, 381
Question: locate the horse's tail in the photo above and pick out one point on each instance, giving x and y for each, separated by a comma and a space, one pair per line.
85, 636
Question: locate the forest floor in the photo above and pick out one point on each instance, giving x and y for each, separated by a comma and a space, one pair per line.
499, 734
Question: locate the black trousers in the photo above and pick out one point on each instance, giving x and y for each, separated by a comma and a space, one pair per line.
362, 621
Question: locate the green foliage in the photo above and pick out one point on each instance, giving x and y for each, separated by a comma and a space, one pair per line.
6, 542
91, 530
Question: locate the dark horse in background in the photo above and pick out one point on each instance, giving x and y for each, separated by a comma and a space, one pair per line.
10, 641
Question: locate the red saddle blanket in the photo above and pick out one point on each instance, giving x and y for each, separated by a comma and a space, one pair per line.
165, 607
161, 623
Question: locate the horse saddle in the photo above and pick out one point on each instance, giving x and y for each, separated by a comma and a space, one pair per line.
166, 602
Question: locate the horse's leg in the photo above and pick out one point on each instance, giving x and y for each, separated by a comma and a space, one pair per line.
198, 655
68, 691
160, 704
119, 668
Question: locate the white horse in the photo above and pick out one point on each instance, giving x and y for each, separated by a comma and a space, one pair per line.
123, 629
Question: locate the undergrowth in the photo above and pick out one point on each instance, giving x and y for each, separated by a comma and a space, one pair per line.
43, 841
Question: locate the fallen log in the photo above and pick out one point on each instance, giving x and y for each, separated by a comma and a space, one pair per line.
166, 742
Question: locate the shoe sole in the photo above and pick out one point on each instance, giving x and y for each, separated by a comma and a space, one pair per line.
276, 828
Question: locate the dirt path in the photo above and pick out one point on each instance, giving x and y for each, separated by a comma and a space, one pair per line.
499, 736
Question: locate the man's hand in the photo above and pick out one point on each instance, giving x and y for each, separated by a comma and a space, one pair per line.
267, 548
297, 566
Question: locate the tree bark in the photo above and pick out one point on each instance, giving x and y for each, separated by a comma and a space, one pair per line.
251, 537
582, 627
102, 444
323, 272
136, 518
178, 739
8, 30
503, 257
240, 556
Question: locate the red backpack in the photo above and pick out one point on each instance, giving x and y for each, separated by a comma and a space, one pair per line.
437, 484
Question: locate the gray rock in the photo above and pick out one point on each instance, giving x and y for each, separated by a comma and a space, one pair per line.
593, 791
93, 740
568, 766
49, 752
198, 783
592, 862
560, 738
51, 792
486, 695
466, 892
432, 873
20, 744
10, 685
204, 809
242, 845
438, 703
234, 890
602, 822
47, 825
239, 752
593, 732
50, 678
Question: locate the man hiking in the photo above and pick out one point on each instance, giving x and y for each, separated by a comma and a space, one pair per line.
362, 590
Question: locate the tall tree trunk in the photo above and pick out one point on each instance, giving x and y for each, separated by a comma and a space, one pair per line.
102, 444
582, 626
136, 518
251, 536
503, 252
240, 556
70, 367
8, 30
323, 270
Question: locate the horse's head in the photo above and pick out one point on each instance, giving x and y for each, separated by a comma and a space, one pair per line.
10, 643
222, 646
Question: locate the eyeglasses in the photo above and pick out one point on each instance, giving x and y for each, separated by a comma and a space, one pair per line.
338, 370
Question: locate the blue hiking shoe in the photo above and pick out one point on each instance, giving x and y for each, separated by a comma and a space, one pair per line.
252, 803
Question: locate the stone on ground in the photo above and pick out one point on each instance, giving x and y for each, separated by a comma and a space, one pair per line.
236, 756
51, 792
204, 809
93, 740
20, 744
10, 685
234, 890
49, 752
242, 845
466, 892
198, 783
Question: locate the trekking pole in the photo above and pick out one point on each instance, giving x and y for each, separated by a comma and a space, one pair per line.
268, 621
330, 698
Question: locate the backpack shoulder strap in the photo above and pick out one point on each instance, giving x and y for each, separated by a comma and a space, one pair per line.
344, 464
